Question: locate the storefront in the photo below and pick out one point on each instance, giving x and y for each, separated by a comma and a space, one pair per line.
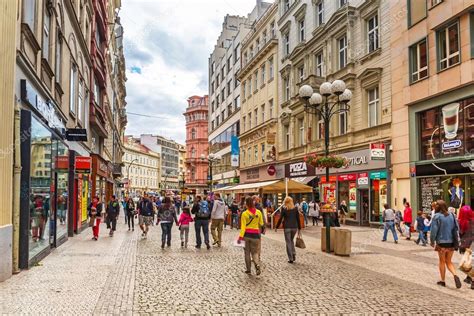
82, 191
364, 184
102, 183
444, 151
44, 207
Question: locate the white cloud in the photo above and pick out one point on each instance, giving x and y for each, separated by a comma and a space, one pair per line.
169, 42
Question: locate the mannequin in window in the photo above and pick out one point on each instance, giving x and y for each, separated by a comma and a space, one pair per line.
457, 194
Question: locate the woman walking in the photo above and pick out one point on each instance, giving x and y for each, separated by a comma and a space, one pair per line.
250, 232
166, 217
291, 218
184, 220
407, 220
130, 211
444, 237
466, 232
95, 209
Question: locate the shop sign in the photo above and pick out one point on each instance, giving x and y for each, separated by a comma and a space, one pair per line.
332, 179
347, 177
83, 164
298, 169
45, 108
61, 162
378, 175
253, 174
363, 179
235, 180
352, 197
76, 134
358, 161
445, 168
234, 151
377, 151
452, 144
271, 170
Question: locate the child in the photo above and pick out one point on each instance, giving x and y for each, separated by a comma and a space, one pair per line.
427, 223
183, 222
420, 228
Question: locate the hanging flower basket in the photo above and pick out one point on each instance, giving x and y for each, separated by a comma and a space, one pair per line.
331, 161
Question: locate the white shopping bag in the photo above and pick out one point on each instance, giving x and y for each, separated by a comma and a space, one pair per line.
237, 244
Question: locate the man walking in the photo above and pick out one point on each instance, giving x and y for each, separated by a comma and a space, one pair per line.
112, 211
389, 223
343, 212
145, 218
202, 214
217, 219
304, 209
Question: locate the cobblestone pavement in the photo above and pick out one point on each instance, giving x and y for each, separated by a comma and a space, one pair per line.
126, 275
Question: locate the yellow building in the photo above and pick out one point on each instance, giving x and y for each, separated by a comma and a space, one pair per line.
259, 95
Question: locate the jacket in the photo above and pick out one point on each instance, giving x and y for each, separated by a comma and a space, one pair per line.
167, 214
251, 222
185, 219
407, 215
218, 210
442, 228
98, 207
113, 208
129, 207
291, 218
420, 224
146, 207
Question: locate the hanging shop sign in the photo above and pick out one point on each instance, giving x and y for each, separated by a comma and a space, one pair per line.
83, 164
363, 180
61, 163
45, 108
299, 169
359, 160
234, 151
76, 134
271, 170
377, 151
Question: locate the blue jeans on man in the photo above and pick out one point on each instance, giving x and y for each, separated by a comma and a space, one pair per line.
421, 237
389, 225
204, 224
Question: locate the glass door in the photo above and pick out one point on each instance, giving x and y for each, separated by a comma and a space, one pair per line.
363, 206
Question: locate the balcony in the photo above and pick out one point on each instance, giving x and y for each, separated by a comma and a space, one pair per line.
117, 170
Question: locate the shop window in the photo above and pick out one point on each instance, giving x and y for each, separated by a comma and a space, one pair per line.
378, 198
448, 46
454, 190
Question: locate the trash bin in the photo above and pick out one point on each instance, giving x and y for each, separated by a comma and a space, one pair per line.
342, 246
323, 238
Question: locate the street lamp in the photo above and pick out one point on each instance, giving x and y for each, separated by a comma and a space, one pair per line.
318, 104
211, 158
128, 173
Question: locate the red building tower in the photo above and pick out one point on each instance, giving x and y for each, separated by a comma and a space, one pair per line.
197, 144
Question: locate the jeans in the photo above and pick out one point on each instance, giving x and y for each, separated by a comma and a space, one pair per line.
252, 249
315, 220
204, 224
389, 225
111, 222
235, 221
131, 220
290, 234
421, 237
166, 233
305, 215
184, 233
217, 224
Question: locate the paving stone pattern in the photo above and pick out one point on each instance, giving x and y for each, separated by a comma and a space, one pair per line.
126, 275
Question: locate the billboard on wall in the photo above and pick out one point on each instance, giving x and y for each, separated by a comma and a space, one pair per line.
234, 151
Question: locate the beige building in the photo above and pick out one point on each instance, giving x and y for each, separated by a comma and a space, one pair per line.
324, 41
259, 94
182, 164
432, 44
141, 166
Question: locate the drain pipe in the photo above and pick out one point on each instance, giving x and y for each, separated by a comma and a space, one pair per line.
16, 188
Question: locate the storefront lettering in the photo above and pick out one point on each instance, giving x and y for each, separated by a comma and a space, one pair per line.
357, 161
298, 169
253, 174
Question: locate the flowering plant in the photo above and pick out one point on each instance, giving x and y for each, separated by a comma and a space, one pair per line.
331, 161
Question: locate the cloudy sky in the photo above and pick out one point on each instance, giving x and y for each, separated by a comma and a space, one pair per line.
167, 44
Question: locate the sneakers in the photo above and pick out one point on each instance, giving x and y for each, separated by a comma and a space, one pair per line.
248, 272
457, 281
441, 283
162, 245
182, 244
258, 270
208, 246
198, 246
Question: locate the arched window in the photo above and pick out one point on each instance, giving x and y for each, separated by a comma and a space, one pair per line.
193, 175
193, 133
193, 152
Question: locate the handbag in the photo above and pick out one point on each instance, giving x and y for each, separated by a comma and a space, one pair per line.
300, 242
456, 241
465, 265
91, 221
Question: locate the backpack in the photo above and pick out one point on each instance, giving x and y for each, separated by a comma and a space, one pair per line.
203, 209
304, 207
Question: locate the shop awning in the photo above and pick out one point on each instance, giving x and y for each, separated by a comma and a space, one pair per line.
273, 186
225, 189
304, 180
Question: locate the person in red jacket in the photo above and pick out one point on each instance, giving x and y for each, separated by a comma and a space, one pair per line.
407, 219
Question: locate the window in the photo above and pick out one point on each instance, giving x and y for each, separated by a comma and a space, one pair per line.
416, 11
301, 131
251, 53
213, 105
272, 29
286, 5
193, 133
217, 81
46, 34
263, 152
270, 68
320, 13
448, 46
255, 76
80, 100
301, 30
342, 120
319, 65
212, 125
301, 73
286, 44
320, 127
286, 92
373, 33
213, 67
244, 122
58, 60
223, 115
236, 53
249, 151
262, 72
237, 102
229, 63
286, 136
263, 113
270, 105
229, 85
373, 104
255, 152
243, 157
250, 85
222, 73
257, 45
229, 110
435, 2
342, 44
236, 82
212, 87
343, 3
256, 117
418, 61
72, 89
29, 14
250, 120
264, 36
244, 89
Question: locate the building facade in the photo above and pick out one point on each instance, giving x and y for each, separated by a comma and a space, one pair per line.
260, 103
141, 167
224, 92
324, 41
433, 102
197, 144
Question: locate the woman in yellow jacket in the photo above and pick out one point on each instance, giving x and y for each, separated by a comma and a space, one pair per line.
251, 222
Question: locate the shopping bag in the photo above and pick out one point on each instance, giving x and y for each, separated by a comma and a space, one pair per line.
237, 244
300, 242
465, 265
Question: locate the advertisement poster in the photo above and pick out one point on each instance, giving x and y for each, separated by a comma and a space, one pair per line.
234, 151
352, 197
84, 201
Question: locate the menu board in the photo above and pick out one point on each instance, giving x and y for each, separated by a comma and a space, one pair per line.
431, 190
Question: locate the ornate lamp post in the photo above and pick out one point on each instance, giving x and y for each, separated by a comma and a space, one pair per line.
320, 105
128, 174
211, 159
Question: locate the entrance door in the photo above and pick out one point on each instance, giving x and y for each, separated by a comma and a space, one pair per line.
363, 201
